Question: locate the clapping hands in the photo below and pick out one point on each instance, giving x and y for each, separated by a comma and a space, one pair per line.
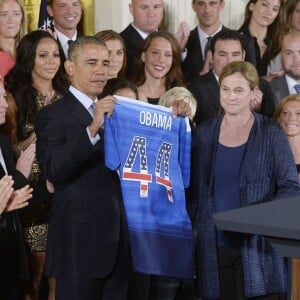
11, 199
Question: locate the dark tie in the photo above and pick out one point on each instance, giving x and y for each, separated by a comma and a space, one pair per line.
207, 46
297, 88
92, 108
70, 42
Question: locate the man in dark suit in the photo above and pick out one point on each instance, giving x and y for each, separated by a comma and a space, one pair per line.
147, 16
66, 15
209, 24
14, 195
226, 47
87, 249
290, 58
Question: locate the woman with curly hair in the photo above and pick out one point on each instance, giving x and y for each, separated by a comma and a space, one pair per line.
158, 67
265, 22
36, 80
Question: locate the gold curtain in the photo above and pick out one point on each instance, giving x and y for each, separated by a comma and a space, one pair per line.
87, 22
32, 9
88, 17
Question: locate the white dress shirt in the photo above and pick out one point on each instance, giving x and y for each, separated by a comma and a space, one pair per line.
64, 40
86, 102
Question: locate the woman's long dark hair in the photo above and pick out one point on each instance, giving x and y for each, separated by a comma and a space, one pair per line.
290, 8
274, 32
19, 82
174, 77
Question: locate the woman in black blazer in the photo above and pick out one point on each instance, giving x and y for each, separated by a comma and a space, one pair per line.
14, 195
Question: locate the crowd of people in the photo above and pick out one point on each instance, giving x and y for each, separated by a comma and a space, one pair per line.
228, 100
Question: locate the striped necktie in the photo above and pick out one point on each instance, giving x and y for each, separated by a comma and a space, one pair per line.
297, 88
207, 46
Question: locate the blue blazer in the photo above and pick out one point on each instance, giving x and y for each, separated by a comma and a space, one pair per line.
87, 220
267, 171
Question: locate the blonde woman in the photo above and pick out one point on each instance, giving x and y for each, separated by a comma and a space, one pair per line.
13, 26
288, 115
240, 158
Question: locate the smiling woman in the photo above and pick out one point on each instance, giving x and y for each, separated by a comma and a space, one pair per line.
158, 66
288, 115
36, 80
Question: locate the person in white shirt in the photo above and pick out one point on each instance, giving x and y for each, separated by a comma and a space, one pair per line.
66, 15
147, 17
289, 83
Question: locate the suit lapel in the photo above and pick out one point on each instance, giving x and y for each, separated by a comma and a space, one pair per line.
284, 88
78, 110
281, 89
135, 38
214, 87
197, 52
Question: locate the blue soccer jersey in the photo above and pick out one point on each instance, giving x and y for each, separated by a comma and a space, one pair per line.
151, 149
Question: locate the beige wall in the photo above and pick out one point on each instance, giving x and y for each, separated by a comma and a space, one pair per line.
114, 14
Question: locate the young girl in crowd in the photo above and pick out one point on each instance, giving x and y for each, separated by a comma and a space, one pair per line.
179, 93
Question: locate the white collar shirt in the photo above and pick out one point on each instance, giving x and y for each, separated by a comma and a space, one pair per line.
64, 40
291, 83
203, 37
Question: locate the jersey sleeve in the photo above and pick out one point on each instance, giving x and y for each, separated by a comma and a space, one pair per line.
112, 157
185, 150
